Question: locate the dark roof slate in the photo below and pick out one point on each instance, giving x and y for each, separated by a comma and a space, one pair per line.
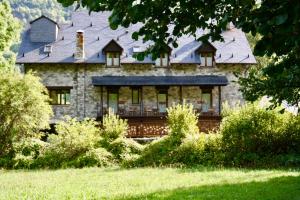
234, 49
203, 80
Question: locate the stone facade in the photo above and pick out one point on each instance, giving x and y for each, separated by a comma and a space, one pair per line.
86, 99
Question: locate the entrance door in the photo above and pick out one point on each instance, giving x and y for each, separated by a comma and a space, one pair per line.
113, 101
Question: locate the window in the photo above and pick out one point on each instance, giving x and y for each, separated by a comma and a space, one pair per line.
163, 60
162, 100
135, 96
59, 96
112, 59
206, 99
206, 59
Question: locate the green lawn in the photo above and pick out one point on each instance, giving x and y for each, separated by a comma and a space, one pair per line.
150, 183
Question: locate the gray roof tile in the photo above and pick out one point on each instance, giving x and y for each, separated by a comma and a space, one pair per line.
237, 51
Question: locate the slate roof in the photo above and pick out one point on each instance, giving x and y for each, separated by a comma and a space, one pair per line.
207, 80
235, 49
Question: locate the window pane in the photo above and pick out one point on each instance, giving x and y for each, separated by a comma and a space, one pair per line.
116, 61
135, 96
209, 61
157, 62
53, 96
202, 59
206, 98
113, 102
109, 61
162, 102
59, 98
165, 60
63, 98
68, 98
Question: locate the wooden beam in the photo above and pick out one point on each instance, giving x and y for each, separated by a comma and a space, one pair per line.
101, 100
220, 101
142, 103
180, 94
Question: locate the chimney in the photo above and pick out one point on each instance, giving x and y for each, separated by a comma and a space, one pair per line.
79, 52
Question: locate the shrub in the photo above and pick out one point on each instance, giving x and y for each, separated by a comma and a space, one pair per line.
123, 146
113, 127
74, 138
251, 133
182, 120
26, 152
157, 152
99, 157
24, 108
199, 149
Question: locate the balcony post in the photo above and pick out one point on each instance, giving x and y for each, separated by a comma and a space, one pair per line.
220, 101
101, 100
142, 103
180, 94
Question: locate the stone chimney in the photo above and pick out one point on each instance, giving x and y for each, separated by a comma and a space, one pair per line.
79, 52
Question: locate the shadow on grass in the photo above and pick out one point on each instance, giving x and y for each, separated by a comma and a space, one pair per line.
281, 188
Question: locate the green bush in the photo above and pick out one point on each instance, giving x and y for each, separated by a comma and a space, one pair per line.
113, 127
74, 137
199, 149
99, 157
27, 151
251, 133
157, 153
182, 120
123, 146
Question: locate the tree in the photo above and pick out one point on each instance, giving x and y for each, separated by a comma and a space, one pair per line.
277, 21
24, 108
9, 34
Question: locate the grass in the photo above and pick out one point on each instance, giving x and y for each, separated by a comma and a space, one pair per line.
150, 183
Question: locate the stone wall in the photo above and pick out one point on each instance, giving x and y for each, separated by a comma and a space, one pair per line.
86, 99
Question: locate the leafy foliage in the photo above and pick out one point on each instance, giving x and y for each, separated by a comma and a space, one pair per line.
252, 134
182, 120
24, 108
27, 10
113, 127
9, 34
74, 137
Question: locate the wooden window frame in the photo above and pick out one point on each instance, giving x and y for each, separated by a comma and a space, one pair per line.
205, 56
162, 91
113, 91
113, 53
161, 60
208, 91
63, 91
139, 95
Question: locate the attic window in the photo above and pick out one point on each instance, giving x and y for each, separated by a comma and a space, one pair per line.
48, 49
163, 60
206, 59
206, 52
112, 59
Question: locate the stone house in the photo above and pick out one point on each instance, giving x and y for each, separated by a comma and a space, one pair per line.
89, 68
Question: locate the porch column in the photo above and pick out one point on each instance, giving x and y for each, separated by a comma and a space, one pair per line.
101, 100
180, 94
220, 101
142, 102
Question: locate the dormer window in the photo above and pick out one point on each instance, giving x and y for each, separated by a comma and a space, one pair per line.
113, 52
163, 60
112, 59
206, 59
206, 53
